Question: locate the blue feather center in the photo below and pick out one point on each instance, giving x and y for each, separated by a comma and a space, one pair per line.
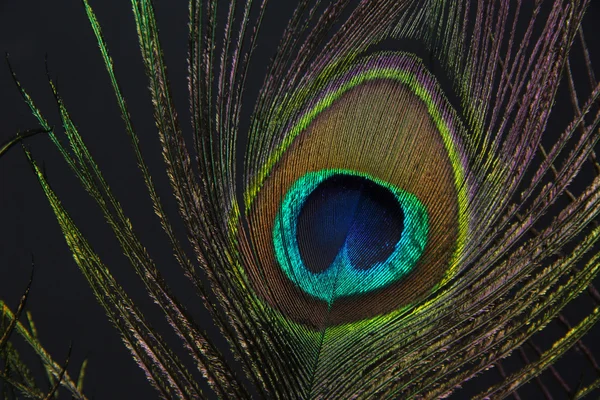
342, 233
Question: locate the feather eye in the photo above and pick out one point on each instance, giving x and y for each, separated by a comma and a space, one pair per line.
365, 198
380, 240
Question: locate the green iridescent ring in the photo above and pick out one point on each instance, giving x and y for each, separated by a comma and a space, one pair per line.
341, 278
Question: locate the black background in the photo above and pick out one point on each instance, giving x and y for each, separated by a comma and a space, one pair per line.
62, 304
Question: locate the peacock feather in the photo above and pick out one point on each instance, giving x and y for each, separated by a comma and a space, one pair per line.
407, 204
